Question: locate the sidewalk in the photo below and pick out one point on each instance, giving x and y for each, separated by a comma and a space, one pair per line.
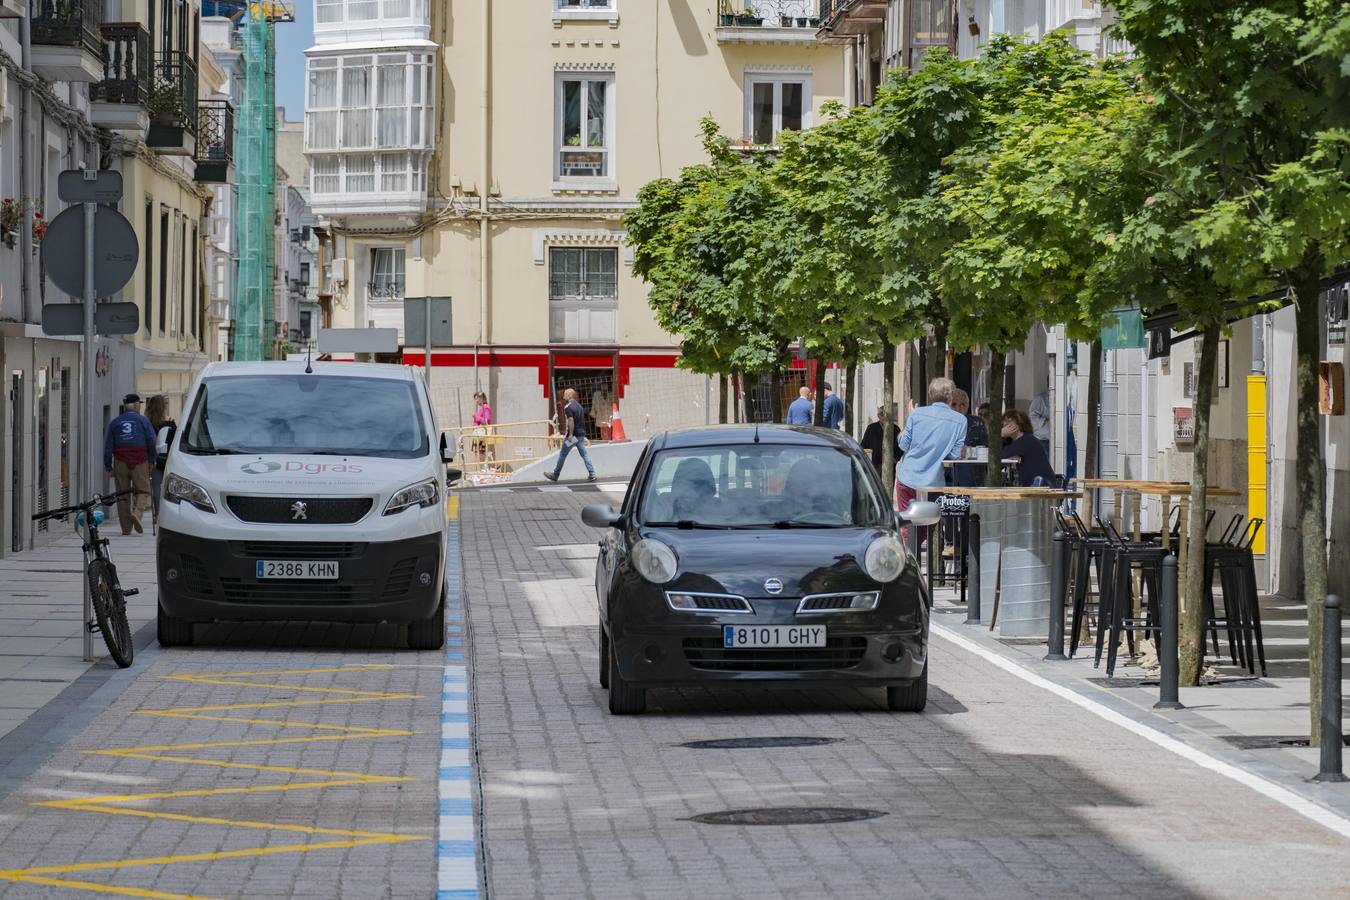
1250, 722
41, 608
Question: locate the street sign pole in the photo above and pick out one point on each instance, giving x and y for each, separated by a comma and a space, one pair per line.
427, 303
91, 446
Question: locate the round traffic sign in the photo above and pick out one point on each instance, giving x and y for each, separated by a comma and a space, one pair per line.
116, 251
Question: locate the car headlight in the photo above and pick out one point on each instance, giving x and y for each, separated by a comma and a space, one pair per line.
884, 559
179, 490
654, 561
423, 494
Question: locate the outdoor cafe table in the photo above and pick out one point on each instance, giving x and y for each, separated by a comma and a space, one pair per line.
1015, 552
1166, 490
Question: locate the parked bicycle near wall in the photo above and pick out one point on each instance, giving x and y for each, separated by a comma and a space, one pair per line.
109, 599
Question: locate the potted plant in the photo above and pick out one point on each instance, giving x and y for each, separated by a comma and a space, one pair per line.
748, 17
39, 230
165, 105
10, 215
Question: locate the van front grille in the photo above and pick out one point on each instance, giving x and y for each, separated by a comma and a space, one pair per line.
300, 510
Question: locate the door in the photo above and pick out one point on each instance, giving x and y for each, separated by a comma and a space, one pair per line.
16, 428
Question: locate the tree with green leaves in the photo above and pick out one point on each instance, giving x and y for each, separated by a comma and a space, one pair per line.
1252, 100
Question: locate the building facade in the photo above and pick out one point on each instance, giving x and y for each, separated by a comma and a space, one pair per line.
524, 151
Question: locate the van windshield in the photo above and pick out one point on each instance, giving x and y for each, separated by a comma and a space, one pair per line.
305, 414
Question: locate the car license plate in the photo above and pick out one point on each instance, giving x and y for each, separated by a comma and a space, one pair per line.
317, 570
734, 636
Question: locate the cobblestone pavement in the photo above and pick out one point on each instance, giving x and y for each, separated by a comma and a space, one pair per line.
292, 761
999, 790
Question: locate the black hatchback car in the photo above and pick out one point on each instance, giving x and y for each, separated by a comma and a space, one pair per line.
759, 554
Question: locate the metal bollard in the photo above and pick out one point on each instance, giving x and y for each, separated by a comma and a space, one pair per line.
1168, 692
1059, 581
973, 571
1331, 743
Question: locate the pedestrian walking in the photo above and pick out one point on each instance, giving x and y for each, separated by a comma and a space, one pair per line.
128, 454
1033, 464
1039, 416
574, 435
871, 439
157, 411
482, 419
832, 410
932, 433
801, 411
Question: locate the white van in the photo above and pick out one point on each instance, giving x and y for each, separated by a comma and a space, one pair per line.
304, 492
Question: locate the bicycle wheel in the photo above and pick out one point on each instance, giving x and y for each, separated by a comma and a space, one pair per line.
111, 611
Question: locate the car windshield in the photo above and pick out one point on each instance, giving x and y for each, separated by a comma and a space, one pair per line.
335, 416
760, 486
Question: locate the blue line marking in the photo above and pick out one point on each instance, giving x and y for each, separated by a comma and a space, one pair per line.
455, 849
454, 717
457, 895
456, 773
456, 807
454, 743
456, 856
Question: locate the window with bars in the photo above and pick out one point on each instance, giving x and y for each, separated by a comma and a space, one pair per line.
583, 4
583, 274
386, 273
774, 104
584, 126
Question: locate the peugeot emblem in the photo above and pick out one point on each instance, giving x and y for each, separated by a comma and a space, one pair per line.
773, 586
299, 511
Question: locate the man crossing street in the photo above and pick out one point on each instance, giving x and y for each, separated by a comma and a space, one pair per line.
128, 452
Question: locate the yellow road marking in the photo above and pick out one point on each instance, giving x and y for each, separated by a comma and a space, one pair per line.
452, 506
101, 888
174, 753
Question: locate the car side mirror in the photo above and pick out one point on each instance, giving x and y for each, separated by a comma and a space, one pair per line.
453, 475
921, 513
601, 515
447, 450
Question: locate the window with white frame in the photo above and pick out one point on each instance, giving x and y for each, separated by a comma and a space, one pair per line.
367, 102
386, 273
321, 110
583, 4
584, 126
775, 103
583, 274
335, 12
326, 173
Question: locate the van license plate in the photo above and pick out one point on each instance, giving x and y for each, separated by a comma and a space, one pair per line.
734, 636
308, 569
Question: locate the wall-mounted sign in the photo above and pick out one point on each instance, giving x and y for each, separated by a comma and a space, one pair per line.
1338, 301
1331, 389
1183, 425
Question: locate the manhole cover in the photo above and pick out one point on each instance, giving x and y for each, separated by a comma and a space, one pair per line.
1268, 741
753, 743
788, 815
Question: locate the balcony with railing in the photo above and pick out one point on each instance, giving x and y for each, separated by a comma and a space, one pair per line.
766, 21
215, 141
173, 104
120, 101
842, 20
67, 43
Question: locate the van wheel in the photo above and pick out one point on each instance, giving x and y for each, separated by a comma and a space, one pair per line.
428, 634
171, 630
912, 697
624, 698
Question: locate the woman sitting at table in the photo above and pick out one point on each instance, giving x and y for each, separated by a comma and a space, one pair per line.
1021, 443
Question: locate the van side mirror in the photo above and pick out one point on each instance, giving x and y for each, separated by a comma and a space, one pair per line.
447, 450
453, 475
921, 513
601, 515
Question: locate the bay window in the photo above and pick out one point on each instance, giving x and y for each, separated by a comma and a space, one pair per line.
335, 12
584, 126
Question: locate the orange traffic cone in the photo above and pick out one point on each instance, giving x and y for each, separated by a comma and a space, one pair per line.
616, 425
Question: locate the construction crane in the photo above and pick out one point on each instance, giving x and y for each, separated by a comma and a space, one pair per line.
254, 332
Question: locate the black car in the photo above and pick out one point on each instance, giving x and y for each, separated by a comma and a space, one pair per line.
759, 554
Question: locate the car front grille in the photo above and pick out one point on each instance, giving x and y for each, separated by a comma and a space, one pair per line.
300, 550
283, 510
708, 654
195, 577
237, 590
400, 579
828, 602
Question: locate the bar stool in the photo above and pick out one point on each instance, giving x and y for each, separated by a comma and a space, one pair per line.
1234, 562
1116, 595
1088, 548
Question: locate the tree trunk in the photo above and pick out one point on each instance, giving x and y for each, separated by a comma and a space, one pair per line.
818, 412
1311, 477
1191, 643
736, 416
722, 398
775, 410
994, 471
1094, 403
851, 395
888, 416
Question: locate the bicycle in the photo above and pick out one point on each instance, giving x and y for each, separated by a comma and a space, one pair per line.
108, 598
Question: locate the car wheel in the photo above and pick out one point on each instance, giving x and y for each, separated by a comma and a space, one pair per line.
912, 697
172, 631
604, 658
428, 634
624, 698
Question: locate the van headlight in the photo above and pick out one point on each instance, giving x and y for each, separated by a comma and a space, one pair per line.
884, 559
654, 561
423, 494
179, 490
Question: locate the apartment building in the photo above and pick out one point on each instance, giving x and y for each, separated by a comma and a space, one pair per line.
223, 47
1148, 392
297, 313
486, 152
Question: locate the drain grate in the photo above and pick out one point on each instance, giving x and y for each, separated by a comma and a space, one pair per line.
788, 815
1269, 741
758, 743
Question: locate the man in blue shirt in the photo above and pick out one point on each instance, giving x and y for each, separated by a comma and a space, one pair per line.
833, 412
801, 412
932, 433
574, 435
128, 453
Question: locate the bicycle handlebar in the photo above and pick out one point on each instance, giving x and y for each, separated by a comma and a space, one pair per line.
99, 500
